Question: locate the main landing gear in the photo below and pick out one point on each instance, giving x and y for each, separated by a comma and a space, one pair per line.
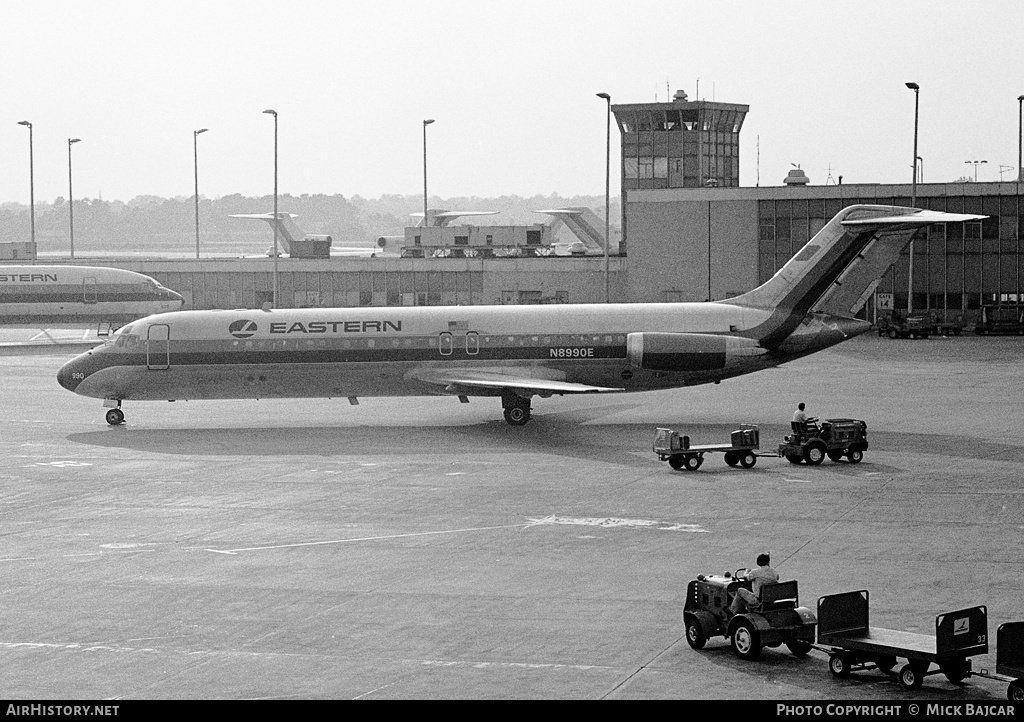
115, 417
516, 408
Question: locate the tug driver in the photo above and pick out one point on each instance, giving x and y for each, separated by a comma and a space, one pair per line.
763, 574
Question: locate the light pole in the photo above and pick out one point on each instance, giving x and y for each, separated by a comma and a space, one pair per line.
607, 186
975, 163
31, 186
913, 201
71, 198
276, 289
425, 124
195, 156
1020, 138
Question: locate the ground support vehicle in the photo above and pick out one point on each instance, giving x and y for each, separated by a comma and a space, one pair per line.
852, 645
1009, 660
834, 438
945, 326
680, 454
777, 619
1000, 319
896, 325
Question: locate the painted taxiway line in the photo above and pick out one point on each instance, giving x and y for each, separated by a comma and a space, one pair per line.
606, 522
365, 538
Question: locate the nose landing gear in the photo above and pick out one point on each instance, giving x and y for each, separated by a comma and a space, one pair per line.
115, 417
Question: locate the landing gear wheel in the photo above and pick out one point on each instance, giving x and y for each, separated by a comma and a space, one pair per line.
814, 453
854, 456
692, 462
517, 415
695, 636
835, 455
748, 459
911, 676
676, 462
1015, 692
745, 643
956, 672
115, 417
798, 647
839, 665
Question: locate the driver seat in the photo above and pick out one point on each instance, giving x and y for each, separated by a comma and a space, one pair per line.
780, 595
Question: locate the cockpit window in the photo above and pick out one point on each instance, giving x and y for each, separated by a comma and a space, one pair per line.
124, 338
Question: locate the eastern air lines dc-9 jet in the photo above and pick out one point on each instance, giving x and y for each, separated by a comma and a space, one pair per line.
510, 352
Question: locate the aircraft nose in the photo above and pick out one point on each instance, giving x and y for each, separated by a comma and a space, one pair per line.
69, 376
175, 297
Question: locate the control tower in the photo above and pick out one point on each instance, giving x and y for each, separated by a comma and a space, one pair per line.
682, 144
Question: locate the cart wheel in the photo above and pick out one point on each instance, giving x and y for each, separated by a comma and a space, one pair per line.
854, 456
835, 455
839, 665
893, 334
695, 636
731, 458
748, 459
911, 676
745, 643
1015, 691
956, 672
692, 462
814, 453
676, 462
793, 458
798, 647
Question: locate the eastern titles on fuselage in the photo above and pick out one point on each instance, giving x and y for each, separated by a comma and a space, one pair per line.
28, 278
384, 326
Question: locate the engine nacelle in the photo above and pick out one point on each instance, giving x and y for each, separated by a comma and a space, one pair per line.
687, 351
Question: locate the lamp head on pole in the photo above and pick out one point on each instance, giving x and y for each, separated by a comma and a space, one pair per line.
605, 96
428, 121
25, 123
74, 140
914, 86
271, 112
1020, 98
201, 130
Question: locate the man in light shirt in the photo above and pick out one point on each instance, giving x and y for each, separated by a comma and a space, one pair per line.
763, 574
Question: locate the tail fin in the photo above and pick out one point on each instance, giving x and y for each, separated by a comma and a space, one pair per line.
288, 231
583, 223
839, 268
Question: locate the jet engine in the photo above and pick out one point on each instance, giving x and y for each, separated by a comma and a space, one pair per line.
687, 351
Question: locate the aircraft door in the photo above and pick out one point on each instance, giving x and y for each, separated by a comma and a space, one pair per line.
89, 294
158, 347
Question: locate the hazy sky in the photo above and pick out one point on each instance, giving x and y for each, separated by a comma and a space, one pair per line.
511, 85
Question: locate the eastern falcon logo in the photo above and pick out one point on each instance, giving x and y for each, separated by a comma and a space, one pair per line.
242, 329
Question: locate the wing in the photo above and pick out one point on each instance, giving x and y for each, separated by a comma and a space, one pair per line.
457, 381
49, 343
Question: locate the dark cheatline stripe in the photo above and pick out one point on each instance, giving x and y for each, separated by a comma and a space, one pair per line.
73, 294
239, 357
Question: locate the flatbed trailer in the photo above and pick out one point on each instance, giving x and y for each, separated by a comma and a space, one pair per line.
852, 644
681, 454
